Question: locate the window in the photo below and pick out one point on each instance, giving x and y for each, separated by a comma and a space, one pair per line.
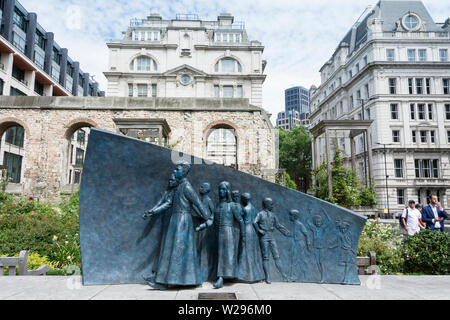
19, 20
55, 73
411, 22
448, 136
143, 63
423, 136
390, 54
428, 85
228, 91
350, 74
142, 90
357, 67
56, 56
447, 112
395, 136
422, 54
239, 93
414, 136
365, 61
419, 86
16, 92
39, 40
426, 168
18, 41
79, 158
15, 136
400, 196
392, 85
130, 90
154, 90
39, 59
38, 88
443, 55
14, 164
432, 136
77, 177
430, 112
366, 91
228, 65
411, 55
410, 85
216, 91
18, 73
413, 111
394, 111
398, 168
446, 86
81, 136
421, 111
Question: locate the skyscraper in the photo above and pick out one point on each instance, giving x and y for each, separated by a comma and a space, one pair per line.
297, 108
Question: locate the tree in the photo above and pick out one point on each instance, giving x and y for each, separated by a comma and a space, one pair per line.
345, 183
289, 182
296, 154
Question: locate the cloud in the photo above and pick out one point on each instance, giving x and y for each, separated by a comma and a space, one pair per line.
299, 36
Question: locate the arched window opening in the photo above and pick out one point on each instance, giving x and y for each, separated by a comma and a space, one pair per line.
221, 146
228, 65
12, 152
143, 63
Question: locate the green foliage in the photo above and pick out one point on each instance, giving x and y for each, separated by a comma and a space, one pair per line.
41, 228
295, 152
427, 252
384, 241
66, 251
289, 182
70, 205
344, 181
367, 196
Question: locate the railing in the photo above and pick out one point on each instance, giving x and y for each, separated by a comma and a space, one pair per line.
415, 35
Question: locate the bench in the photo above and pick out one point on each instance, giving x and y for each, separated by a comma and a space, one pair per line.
367, 265
22, 263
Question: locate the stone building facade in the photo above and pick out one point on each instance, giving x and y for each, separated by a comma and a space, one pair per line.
50, 122
186, 57
392, 67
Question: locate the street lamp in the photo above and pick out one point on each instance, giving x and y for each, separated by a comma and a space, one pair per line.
386, 174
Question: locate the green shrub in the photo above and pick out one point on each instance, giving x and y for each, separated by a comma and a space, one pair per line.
426, 252
36, 232
367, 196
70, 205
384, 241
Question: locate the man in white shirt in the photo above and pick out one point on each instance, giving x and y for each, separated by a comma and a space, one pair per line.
411, 219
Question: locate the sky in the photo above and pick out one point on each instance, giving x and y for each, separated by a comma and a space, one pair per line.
299, 35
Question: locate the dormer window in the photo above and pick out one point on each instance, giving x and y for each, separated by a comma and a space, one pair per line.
228, 65
411, 22
143, 63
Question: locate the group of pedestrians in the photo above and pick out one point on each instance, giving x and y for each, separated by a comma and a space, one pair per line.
415, 217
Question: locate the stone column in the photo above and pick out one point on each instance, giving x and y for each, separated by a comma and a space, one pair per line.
369, 152
352, 152
329, 172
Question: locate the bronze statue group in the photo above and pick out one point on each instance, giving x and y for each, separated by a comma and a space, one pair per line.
231, 237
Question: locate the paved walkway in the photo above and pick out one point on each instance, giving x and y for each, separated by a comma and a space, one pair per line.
372, 287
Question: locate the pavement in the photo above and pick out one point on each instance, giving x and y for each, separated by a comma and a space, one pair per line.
371, 288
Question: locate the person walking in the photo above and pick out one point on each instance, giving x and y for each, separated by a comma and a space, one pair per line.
411, 219
434, 214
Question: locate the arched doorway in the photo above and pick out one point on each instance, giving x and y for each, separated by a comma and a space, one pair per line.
221, 145
12, 151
